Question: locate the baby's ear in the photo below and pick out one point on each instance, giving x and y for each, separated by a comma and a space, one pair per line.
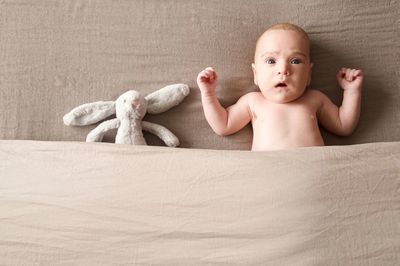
309, 75
253, 66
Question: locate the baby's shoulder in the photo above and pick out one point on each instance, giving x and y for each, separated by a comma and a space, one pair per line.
250, 100
253, 96
316, 98
313, 94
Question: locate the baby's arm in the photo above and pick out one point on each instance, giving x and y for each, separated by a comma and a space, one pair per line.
222, 121
343, 120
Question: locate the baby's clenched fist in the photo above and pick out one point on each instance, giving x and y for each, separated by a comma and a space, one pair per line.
207, 81
350, 79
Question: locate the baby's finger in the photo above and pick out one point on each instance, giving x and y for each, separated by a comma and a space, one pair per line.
207, 75
211, 74
203, 77
347, 74
352, 76
358, 73
341, 73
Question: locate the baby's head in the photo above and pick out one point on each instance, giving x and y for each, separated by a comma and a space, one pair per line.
286, 27
282, 67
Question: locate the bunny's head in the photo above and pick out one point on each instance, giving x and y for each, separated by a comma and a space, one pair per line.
131, 105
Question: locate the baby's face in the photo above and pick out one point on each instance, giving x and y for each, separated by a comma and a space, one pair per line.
282, 68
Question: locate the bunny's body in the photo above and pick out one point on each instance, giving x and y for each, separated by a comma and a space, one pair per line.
125, 133
130, 108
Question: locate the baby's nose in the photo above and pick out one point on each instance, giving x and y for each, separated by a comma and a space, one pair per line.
283, 72
283, 69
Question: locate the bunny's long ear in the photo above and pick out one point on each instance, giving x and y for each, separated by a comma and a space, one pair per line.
89, 113
166, 98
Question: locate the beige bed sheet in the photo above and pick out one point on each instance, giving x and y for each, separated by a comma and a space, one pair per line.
69, 203
55, 55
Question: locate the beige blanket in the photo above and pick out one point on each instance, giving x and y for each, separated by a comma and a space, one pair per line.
64, 203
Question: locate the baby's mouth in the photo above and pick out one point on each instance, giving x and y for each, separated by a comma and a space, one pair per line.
281, 85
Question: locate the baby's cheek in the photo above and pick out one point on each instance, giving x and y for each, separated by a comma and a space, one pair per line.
263, 84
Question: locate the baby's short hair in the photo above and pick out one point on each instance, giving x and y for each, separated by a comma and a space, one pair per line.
289, 26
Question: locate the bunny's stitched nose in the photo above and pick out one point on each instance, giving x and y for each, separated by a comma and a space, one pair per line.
136, 104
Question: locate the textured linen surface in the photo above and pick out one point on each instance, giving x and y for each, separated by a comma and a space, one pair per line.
64, 203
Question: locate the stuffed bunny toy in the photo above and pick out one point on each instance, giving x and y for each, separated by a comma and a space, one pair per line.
129, 108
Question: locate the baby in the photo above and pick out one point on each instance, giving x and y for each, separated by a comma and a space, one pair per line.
284, 114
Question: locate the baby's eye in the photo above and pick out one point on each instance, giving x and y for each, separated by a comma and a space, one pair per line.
295, 61
270, 61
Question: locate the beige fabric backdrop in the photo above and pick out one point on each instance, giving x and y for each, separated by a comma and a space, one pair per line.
55, 55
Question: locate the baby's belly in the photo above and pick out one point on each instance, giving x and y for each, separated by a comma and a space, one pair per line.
281, 138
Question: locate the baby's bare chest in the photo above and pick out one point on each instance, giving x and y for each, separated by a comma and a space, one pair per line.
285, 115
279, 126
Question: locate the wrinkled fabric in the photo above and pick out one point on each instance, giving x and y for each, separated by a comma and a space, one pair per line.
101, 204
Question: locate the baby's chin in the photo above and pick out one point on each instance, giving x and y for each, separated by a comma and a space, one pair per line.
281, 101
282, 95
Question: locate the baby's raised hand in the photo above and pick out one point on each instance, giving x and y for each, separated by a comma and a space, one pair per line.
207, 81
350, 79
